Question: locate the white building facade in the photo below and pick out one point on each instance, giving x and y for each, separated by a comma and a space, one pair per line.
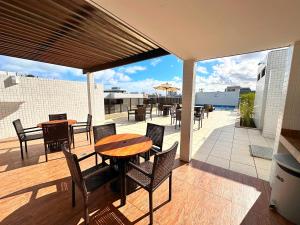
227, 98
32, 99
268, 96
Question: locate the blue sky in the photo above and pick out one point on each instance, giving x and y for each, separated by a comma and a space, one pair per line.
211, 75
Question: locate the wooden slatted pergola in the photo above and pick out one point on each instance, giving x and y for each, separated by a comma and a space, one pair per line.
73, 33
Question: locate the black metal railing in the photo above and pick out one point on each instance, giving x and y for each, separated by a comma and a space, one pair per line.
121, 105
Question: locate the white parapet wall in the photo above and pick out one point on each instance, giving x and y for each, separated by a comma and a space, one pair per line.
32, 99
218, 98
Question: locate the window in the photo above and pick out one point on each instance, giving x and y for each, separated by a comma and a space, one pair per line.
263, 72
258, 77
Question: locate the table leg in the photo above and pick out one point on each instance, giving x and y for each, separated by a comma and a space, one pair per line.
122, 169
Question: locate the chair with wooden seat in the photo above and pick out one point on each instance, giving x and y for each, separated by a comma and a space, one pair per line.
55, 135
83, 127
62, 116
156, 134
87, 181
26, 134
150, 175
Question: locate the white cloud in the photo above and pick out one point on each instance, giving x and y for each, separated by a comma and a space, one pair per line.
236, 70
111, 77
201, 69
179, 60
156, 61
24, 66
177, 78
132, 69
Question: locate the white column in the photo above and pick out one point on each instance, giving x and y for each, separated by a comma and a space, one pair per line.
90, 92
188, 99
288, 117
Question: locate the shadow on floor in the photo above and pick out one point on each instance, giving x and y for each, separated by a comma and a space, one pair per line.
259, 212
50, 203
11, 156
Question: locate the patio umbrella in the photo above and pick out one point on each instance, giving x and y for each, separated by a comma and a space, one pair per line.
166, 87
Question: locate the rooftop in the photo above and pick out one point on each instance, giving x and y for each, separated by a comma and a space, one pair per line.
216, 181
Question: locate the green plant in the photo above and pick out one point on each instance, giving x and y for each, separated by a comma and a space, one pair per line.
246, 109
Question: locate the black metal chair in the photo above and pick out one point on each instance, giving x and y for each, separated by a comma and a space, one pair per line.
173, 114
83, 127
87, 181
178, 118
160, 108
62, 116
156, 134
140, 114
102, 131
198, 116
56, 134
150, 175
208, 108
149, 111
26, 134
130, 112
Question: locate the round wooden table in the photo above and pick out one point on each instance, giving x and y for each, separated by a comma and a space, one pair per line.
123, 147
70, 122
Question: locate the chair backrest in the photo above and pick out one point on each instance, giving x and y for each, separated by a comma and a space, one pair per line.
163, 164
149, 107
173, 109
89, 121
207, 107
19, 129
62, 116
178, 114
202, 111
178, 106
160, 106
197, 110
74, 168
57, 132
156, 134
141, 110
103, 131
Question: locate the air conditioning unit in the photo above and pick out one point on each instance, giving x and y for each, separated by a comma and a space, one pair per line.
14, 80
11, 81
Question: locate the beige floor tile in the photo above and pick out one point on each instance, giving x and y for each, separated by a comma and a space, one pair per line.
224, 163
262, 163
200, 157
243, 159
222, 148
241, 152
221, 154
242, 168
263, 174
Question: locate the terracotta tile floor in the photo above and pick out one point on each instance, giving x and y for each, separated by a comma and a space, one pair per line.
34, 192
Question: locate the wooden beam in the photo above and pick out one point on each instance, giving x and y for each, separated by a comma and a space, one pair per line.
132, 59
